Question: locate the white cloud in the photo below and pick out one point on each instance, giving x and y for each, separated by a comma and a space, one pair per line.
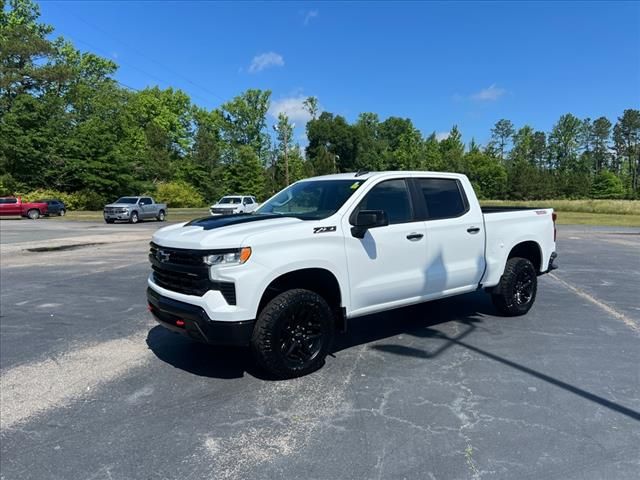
490, 94
308, 15
292, 107
442, 136
265, 60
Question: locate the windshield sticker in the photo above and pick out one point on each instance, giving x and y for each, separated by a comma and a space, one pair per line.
324, 229
355, 185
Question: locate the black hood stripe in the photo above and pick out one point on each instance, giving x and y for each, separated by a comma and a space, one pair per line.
210, 223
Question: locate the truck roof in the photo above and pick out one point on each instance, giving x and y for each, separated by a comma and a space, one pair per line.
368, 175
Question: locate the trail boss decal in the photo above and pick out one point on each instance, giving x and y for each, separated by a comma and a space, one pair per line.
323, 229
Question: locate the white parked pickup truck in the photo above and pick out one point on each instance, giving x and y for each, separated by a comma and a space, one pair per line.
284, 279
234, 204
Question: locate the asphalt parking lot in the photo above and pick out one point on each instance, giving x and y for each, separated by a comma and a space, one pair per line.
92, 388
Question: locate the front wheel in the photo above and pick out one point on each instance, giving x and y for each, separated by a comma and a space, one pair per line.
134, 217
293, 334
517, 288
33, 214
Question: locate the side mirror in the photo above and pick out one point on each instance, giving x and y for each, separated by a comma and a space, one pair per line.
366, 219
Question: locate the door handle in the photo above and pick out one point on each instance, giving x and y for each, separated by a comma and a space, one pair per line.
414, 236
473, 230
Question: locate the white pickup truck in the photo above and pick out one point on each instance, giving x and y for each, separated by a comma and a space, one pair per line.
234, 204
284, 279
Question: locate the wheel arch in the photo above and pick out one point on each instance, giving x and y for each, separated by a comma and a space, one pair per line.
530, 250
319, 280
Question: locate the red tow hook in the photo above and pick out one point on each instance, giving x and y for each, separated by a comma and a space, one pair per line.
179, 323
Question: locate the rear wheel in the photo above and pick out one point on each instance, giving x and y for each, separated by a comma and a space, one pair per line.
33, 214
517, 288
161, 217
293, 334
63, 212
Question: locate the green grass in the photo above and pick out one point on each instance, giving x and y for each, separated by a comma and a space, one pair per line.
175, 215
617, 213
615, 207
604, 219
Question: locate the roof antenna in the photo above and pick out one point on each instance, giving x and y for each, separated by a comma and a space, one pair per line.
362, 171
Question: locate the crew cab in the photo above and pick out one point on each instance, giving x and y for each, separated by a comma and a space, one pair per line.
286, 278
135, 209
234, 204
14, 206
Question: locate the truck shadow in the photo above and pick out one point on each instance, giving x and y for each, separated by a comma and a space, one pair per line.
228, 362
468, 310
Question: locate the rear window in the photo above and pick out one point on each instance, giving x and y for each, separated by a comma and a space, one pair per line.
443, 196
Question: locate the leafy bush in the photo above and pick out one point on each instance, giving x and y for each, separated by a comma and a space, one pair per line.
178, 194
89, 200
82, 200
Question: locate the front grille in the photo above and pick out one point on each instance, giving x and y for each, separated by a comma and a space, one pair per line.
112, 210
184, 271
224, 211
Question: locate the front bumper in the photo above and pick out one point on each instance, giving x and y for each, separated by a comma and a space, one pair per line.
218, 212
192, 321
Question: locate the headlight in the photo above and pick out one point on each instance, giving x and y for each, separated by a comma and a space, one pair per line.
233, 257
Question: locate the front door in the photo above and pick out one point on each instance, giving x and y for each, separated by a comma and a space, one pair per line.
387, 266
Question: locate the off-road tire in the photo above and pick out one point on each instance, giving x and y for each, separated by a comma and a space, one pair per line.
517, 288
272, 333
134, 218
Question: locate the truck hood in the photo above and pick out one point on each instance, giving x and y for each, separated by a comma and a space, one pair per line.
221, 232
226, 206
120, 205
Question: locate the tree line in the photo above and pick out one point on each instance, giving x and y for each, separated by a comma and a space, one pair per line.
68, 127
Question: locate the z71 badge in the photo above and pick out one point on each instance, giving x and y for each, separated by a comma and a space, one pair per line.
323, 229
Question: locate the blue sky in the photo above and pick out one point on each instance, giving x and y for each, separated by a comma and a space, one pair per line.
440, 64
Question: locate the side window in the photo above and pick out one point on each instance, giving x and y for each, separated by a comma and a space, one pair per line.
392, 196
145, 201
443, 196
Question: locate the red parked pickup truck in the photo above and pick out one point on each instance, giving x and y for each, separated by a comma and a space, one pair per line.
15, 206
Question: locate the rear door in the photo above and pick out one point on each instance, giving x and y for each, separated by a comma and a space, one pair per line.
147, 209
387, 266
454, 236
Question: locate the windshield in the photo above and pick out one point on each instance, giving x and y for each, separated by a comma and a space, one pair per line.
311, 200
127, 200
230, 200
